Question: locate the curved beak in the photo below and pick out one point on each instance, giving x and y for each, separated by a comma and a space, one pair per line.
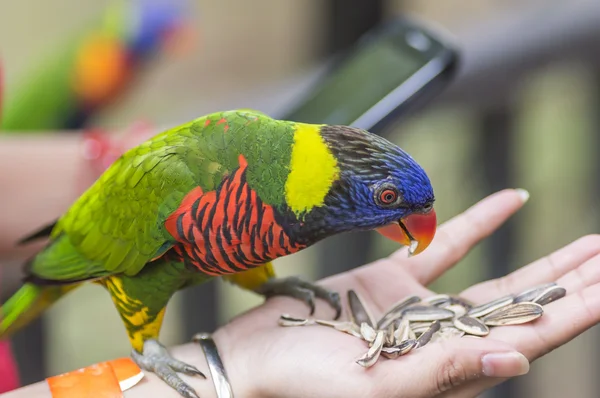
415, 231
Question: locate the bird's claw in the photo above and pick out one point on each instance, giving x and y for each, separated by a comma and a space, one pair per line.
302, 290
156, 359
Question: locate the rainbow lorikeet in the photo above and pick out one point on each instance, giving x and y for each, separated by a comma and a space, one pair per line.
222, 195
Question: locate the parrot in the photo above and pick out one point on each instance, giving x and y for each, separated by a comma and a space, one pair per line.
221, 196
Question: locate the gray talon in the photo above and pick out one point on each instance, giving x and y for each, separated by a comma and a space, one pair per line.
190, 370
156, 359
302, 290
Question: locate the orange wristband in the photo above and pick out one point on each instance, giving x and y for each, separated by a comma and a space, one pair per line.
102, 380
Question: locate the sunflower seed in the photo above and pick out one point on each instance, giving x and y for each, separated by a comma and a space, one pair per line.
549, 295
396, 311
371, 356
424, 313
358, 310
343, 326
390, 352
288, 320
419, 327
484, 309
414, 322
460, 301
471, 325
530, 294
402, 332
437, 299
514, 314
458, 309
367, 332
428, 334
389, 336
399, 349
447, 333
411, 334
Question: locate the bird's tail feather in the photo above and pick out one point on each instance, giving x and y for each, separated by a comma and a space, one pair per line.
27, 304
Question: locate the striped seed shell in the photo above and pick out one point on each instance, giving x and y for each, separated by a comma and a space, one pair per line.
530, 294
426, 336
396, 311
367, 332
343, 326
288, 320
371, 356
461, 301
549, 295
422, 313
486, 308
420, 327
471, 326
514, 314
402, 333
389, 336
447, 333
358, 309
458, 309
411, 334
437, 300
399, 349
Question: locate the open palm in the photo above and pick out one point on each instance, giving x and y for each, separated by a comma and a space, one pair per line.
320, 362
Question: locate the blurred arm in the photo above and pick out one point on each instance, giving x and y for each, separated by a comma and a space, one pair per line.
150, 386
40, 176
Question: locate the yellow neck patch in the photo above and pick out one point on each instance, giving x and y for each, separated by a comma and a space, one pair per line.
313, 169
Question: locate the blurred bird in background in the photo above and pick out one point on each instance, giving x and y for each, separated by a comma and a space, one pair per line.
85, 75
95, 67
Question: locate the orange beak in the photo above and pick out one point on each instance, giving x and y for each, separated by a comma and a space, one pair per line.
415, 231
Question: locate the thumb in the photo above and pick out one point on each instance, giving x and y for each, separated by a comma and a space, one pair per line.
444, 366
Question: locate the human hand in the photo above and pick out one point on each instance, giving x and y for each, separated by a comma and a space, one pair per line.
266, 360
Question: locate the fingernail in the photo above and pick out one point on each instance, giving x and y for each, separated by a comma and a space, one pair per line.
523, 193
505, 364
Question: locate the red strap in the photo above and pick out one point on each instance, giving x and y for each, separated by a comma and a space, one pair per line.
9, 378
99, 150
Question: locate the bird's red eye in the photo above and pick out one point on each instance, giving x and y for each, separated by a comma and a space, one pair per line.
388, 196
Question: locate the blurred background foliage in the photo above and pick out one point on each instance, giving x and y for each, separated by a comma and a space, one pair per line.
256, 54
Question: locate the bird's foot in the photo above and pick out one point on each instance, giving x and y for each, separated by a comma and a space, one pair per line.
156, 359
302, 290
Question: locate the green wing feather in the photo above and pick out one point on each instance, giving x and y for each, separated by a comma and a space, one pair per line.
116, 226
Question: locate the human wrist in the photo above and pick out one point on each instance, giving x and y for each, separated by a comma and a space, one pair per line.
192, 354
238, 375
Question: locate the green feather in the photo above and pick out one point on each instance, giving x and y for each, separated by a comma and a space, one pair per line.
117, 225
27, 304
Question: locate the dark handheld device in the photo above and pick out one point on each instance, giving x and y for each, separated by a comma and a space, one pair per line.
381, 76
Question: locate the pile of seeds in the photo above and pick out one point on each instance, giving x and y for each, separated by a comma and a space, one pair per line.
413, 322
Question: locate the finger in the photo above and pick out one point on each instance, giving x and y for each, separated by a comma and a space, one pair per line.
473, 388
445, 366
458, 235
563, 320
547, 269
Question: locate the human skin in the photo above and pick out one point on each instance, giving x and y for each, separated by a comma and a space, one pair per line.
263, 359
